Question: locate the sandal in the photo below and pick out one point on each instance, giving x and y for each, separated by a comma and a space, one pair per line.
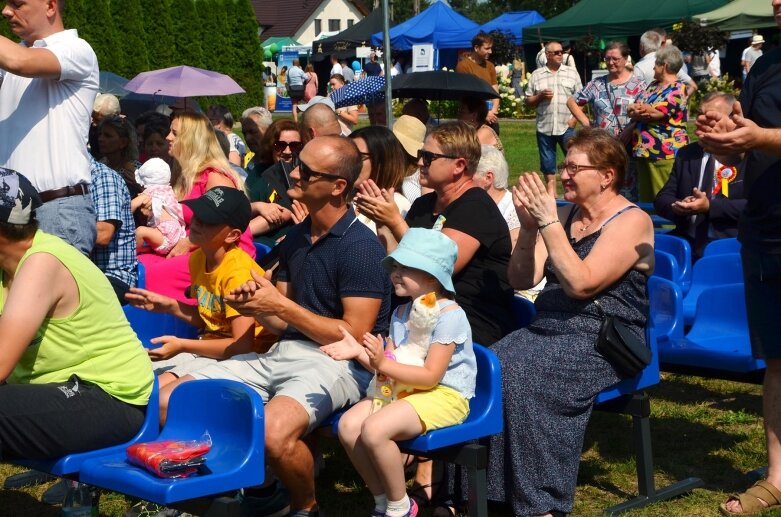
751, 499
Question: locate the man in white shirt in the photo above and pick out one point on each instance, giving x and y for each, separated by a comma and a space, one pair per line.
650, 42
751, 53
336, 68
548, 89
49, 85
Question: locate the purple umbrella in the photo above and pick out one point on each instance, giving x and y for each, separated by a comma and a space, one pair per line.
183, 81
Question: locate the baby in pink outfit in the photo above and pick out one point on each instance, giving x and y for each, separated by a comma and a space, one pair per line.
165, 226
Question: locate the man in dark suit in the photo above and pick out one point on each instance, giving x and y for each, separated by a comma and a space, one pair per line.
703, 196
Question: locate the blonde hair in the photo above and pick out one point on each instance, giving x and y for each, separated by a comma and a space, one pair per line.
196, 149
459, 139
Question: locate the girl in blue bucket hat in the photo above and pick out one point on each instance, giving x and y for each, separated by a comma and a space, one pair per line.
425, 372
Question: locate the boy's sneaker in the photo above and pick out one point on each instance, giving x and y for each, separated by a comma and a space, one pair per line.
275, 505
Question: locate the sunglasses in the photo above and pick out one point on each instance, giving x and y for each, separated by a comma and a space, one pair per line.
281, 145
427, 157
307, 172
556, 52
364, 156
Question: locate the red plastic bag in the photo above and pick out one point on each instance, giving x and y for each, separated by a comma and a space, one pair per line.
170, 458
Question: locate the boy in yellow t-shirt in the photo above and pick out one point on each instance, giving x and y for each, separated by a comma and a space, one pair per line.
220, 216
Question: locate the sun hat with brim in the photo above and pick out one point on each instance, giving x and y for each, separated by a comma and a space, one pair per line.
18, 197
756, 39
411, 132
427, 250
317, 99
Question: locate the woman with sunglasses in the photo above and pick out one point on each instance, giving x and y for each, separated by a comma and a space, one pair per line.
596, 254
268, 190
199, 165
384, 163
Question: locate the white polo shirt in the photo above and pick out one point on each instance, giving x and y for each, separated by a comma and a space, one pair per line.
44, 122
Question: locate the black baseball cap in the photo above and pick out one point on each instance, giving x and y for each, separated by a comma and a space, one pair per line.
18, 197
222, 205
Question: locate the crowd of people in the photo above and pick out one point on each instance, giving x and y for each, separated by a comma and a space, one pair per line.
383, 242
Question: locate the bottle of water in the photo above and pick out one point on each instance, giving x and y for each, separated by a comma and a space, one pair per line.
80, 501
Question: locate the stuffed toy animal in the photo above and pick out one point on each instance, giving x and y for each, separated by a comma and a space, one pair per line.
422, 320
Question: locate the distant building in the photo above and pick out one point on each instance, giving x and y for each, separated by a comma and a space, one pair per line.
306, 20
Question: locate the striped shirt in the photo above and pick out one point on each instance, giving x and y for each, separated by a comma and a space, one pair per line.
552, 115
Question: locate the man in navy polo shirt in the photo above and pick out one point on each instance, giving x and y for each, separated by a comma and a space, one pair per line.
329, 279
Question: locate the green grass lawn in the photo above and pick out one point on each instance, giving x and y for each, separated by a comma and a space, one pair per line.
705, 428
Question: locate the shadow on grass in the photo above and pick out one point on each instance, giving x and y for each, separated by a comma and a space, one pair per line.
719, 394
22, 504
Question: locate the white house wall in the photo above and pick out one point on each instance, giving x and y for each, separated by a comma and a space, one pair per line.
329, 9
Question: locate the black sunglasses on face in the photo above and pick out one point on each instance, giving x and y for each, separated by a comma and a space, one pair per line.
281, 145
427, 157
307, 173
555, 52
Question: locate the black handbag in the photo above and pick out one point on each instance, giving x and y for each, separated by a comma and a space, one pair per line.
620, 346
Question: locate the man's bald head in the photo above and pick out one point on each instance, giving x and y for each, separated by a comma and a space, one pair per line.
336, 155
319, 120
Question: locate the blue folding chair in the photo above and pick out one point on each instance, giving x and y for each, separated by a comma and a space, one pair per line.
718, 340
70, 465
710, 272
722, 246
682, 251
523, 311
665, 266
148, 325
232, 415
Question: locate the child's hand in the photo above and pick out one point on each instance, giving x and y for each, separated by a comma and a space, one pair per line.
148, 300
170, 346
344, 349
374, 349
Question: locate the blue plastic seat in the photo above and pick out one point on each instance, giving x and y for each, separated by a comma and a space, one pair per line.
710, 272
70, 465
722, 246
665, 266
523, 311
682, 251
231, 413
718, 339
148, 325
141, 273
261, 250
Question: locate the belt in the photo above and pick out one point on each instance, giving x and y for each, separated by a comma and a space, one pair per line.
76, 190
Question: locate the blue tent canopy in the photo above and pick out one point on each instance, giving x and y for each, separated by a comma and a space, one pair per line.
430, 26
508, 22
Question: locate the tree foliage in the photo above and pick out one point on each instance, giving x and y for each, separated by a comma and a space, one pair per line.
187, 33
159, 33
248, 59
690, 36
92, 18
127, 15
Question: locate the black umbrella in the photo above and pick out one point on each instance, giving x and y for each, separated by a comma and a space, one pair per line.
441, 85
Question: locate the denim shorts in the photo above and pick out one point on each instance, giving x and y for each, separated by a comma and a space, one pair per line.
762, 278
70, 218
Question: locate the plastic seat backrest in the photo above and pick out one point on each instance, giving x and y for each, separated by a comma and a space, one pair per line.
523, 311
722, 246
71, 463
721, 269
666, 266
485, 409
148, 325
261, 250
681, 250
721, 311
141, 275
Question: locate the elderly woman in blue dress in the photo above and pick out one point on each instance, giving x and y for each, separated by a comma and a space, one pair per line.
599, 247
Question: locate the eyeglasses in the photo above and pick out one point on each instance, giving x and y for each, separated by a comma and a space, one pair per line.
307, 172
609, 59
555, 52
427, 157
281, 145
573, 168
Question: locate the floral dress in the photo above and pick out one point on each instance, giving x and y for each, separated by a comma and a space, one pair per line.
660, 140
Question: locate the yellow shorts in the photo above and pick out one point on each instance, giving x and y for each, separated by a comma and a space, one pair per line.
438, 407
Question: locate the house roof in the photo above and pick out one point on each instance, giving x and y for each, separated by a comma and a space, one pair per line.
286, 22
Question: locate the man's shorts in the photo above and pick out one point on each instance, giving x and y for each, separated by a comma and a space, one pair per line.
439, 407
182, 364
299, 370
762, 278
